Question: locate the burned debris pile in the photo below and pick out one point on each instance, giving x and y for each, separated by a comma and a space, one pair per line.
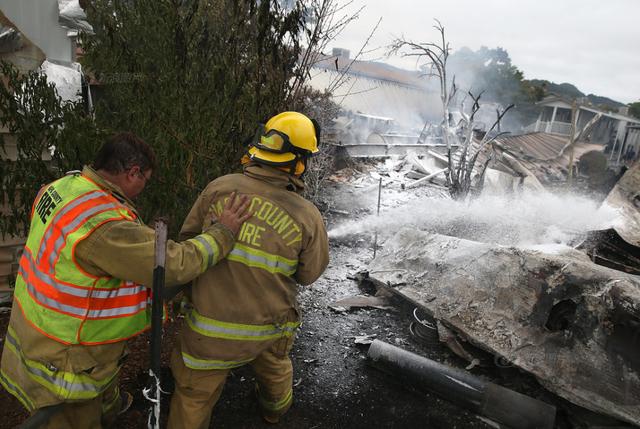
559, 302
569, 322
619, 246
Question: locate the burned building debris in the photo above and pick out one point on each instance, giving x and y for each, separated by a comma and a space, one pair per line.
619, 246
551, 312
536, 300
564, 308
541, 154
616, 132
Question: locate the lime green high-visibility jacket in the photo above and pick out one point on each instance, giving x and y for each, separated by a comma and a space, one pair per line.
82, 289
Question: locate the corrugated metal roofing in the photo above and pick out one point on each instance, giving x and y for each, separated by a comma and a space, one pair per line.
541, 154
544, 146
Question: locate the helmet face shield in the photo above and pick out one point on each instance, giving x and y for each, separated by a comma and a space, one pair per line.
275, 141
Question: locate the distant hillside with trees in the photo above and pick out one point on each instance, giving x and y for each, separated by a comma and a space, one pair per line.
491, 70
570, 91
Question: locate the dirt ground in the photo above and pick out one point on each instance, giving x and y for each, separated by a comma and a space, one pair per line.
334, 386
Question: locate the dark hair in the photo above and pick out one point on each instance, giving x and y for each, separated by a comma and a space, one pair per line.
123, 151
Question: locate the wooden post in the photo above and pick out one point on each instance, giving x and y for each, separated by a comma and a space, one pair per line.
375, 240
572, 139
426, 178
549, 126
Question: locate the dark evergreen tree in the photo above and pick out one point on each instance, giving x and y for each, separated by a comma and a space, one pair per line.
193, 78
45, 137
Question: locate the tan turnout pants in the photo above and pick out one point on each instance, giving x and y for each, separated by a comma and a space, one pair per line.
197, 391
96, 413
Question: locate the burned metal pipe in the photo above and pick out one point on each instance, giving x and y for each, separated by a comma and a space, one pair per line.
461, 388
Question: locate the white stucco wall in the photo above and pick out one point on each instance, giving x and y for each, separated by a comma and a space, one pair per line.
38, 20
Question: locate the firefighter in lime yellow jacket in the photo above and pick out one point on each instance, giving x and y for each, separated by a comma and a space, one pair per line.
81, 287
252, 316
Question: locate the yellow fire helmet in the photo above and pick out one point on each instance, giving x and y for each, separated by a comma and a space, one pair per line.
285, 139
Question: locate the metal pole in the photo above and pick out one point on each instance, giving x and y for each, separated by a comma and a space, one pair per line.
375, 240
153, 392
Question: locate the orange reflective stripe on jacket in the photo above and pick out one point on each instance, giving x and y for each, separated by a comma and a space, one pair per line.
79, 301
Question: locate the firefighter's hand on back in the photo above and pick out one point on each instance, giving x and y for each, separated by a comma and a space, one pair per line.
235, 212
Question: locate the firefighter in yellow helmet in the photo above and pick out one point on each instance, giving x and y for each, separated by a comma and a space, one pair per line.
244, 310
287, 140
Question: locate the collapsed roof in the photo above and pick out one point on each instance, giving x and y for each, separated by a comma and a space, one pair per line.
544, 154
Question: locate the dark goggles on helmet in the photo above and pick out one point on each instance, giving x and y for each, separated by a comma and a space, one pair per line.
275, 141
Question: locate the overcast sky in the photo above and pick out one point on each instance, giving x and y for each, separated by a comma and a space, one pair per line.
593, 44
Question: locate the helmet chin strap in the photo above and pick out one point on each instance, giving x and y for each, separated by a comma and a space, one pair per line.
304, 162
293, 165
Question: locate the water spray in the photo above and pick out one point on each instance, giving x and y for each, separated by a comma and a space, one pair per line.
524, 220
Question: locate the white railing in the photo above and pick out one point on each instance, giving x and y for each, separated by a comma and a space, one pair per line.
561, 128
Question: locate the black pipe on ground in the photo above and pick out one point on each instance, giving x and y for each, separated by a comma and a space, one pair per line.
463, 389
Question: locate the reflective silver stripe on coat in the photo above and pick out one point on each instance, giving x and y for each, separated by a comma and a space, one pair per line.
73, 204
80, 312
207, 245
117, 293
82, 293
16, 390
211, 364
275, 265
76, 386
73, 225
228, 331
119, 311
79, 292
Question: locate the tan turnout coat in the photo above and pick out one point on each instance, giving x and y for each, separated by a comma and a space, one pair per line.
253, 292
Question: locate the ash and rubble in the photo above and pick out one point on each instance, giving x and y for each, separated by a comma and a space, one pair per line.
509, 273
